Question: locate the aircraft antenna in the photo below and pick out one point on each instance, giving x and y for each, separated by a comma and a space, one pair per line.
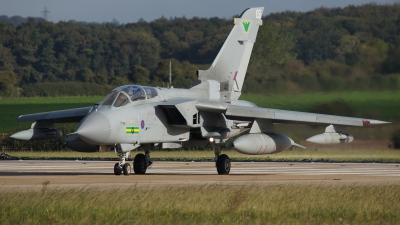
170, 83
45, 13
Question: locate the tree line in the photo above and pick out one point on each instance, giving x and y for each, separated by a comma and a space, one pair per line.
327, 49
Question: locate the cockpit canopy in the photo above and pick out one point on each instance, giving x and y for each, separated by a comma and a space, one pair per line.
130, 93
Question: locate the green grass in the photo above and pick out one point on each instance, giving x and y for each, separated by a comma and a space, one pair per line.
10, 109
205, 204
332, 155
56, 100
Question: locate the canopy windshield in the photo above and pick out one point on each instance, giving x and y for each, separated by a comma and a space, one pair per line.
126, 94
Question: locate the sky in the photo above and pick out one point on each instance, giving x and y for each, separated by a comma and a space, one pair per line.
128, 11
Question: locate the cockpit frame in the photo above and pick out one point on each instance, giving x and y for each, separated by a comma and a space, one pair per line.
127, 94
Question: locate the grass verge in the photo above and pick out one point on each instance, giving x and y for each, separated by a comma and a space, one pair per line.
12, 108
207, 204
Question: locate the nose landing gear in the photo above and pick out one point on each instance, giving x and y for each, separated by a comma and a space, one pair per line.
122, 167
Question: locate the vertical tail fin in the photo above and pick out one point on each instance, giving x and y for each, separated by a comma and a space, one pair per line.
230, 66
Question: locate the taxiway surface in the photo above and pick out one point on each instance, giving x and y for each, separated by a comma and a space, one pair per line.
60, 174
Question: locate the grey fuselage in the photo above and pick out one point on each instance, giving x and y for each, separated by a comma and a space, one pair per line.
159, 118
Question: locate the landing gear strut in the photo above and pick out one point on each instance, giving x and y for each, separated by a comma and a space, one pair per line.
142, 161
122, 167
222, 162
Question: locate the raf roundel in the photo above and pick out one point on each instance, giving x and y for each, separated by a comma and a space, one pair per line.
142, 124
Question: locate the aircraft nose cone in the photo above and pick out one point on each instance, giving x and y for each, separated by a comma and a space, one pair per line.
95, 130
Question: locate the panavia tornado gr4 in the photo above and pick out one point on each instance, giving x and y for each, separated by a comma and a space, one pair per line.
209, 111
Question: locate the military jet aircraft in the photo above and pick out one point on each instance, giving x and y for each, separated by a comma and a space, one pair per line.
208, 112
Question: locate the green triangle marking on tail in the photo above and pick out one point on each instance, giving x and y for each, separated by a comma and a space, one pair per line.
246, 25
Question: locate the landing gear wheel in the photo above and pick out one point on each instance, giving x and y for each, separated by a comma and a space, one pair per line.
117, 169
223, 164
126, 168
140, 164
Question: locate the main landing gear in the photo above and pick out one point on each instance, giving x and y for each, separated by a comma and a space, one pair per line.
222, 161
141, 162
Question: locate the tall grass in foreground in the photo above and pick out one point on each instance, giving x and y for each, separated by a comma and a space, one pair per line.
342, 155
207, 204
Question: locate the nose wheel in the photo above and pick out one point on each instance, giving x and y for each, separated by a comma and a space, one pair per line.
117, 169
122, 167
125, 169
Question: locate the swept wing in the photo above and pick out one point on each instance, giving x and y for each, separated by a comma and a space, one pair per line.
286, 116
60, 116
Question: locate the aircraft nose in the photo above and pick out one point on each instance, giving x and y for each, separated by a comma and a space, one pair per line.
96, 129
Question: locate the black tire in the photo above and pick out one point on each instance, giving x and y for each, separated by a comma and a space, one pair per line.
126, 168
223, 164
139, 164
117, 169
